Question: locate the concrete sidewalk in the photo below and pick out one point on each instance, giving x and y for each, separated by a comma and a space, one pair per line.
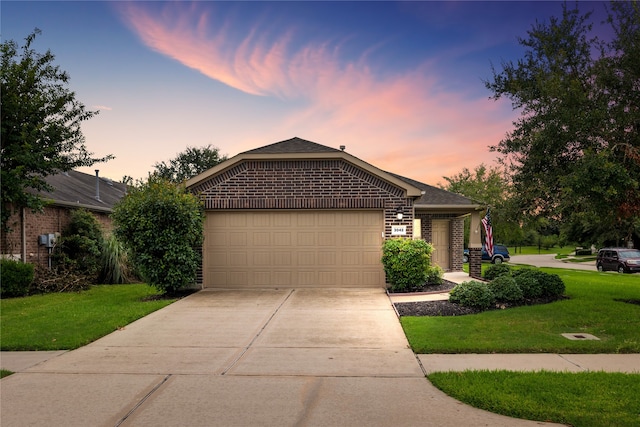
287, 357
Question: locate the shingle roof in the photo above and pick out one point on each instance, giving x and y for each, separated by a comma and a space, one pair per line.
293, 145
432, 195
75, 188
435, 196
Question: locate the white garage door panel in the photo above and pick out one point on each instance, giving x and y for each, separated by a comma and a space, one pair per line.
293, 249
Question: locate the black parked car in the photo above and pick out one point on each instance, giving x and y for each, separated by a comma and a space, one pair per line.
500, 254
622, 260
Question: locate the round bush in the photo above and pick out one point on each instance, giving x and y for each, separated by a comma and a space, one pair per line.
505, 289
16, 278
497, 270
538, 284
472, 294
527, 280
553, 286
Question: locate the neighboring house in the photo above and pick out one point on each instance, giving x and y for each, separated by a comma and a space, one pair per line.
297, 213
72, 190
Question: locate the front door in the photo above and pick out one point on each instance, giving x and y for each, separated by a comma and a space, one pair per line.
440, 242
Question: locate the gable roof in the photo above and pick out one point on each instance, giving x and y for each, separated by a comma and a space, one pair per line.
293, 145
78, 189
301, 149
425, 196
437, 197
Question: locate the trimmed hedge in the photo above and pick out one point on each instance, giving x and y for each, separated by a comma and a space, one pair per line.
16, 278
497, 270
406, 262
505, 289
538, 284
472, 294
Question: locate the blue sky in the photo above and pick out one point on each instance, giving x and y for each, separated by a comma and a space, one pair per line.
400, 84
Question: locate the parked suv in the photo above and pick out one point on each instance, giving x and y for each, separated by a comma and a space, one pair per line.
500, 254
622, 260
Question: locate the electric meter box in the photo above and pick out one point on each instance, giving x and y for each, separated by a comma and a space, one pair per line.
47, 240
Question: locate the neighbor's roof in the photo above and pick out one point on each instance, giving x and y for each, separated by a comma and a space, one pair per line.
77, 189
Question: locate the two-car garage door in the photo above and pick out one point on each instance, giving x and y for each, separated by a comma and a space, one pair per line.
248, 249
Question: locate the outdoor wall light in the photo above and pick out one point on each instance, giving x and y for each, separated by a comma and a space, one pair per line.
399, 213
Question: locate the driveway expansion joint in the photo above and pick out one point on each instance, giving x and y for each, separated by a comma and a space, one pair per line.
144, 399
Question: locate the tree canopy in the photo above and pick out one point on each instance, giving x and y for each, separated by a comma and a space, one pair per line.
189, 163
574, 152
40, 125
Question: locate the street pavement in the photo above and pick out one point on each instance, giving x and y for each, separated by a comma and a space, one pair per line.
551, 261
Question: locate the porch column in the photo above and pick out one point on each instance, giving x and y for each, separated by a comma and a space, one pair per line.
475, 247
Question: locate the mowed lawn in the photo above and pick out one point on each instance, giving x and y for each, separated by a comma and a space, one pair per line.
600, 304
64, 321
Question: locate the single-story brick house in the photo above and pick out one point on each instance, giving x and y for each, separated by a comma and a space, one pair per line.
297, 213
71, 190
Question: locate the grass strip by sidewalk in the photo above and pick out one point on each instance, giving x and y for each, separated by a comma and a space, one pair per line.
65, 321
599, 304
586, 399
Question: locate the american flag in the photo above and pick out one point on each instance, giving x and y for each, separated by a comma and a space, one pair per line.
488, 233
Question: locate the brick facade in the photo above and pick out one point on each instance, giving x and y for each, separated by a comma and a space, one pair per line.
53, 219
305, 184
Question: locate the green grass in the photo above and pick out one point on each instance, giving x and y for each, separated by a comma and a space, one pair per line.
593, 308
586, 399
5, 373
580, 399
533, 250
64, 321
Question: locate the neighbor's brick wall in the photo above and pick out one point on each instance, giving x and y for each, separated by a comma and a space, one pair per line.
305, 184
53, 219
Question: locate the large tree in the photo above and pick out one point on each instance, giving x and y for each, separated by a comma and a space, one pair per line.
489, 186
189, 163
574, 151
40, 122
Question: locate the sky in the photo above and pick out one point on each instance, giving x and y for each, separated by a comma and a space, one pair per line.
400, 84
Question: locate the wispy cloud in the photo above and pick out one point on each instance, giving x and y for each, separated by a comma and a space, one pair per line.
102, 108
394, 120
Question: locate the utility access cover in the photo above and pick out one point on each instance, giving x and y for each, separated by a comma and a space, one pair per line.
580, 337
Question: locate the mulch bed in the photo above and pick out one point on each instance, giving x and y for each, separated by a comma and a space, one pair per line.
446, 308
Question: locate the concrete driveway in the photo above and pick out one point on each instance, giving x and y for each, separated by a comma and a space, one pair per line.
289, 357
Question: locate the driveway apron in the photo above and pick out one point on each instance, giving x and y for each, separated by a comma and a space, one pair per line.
279, 357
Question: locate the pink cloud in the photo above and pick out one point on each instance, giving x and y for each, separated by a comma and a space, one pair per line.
402, 123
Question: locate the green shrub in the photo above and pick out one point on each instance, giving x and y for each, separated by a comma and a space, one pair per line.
16, 278
435, 275
527, 280
162, 224
80, 246
538, 284
406, 262
472, 294
497, 270
553, 286
505, 289
115, 263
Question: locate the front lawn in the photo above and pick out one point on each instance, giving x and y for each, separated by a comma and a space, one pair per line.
600, 304
64, 321
586, 399
603, 304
